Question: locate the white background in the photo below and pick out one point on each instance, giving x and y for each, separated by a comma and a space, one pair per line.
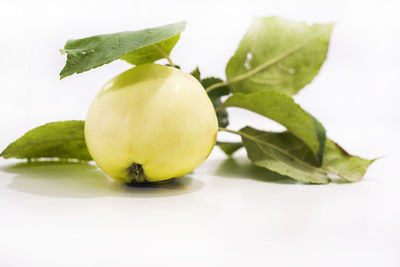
226, 213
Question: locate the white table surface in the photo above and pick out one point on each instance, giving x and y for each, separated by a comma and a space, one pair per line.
225, 213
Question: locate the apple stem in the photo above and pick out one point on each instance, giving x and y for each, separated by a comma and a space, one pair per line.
165, 54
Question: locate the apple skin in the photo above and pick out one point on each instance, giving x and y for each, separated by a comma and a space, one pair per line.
150, 124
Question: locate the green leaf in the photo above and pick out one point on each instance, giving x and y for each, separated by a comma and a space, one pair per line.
152, 52
136, 47
196, 73
282, 154
63, 140
278, 54
287, 155
215, 97
229, 147
338, 161
282, 109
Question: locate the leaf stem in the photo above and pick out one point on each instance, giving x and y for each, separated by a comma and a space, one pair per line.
229, 131
217, 85
266, 64
219, 108
165, 54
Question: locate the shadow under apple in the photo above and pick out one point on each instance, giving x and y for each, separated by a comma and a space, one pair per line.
83, 180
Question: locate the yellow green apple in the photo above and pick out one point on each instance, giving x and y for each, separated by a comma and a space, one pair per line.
149, 124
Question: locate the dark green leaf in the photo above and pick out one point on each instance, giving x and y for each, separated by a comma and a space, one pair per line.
278, 54
229, 147
282, 109
174, 66
136, 47
63, 140
215, 96
222, 115
321, 135
196, 73
218, 92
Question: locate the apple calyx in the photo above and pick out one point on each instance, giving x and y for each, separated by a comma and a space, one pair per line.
135, 171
